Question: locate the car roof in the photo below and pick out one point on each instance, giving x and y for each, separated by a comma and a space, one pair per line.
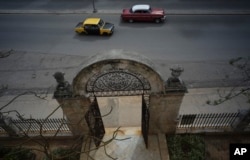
140, 7
92, 21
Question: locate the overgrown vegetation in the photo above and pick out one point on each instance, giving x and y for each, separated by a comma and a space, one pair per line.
65, 154
16, 154
186, 147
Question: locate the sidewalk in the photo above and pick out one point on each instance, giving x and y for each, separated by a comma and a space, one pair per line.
22, 71
193, 102
115, 7
27, 71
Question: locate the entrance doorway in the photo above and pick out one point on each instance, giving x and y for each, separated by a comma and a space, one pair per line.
120, 98
121, 111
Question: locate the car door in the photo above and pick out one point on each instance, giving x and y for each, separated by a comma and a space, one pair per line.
146, 15
138, 16
92, 29
95, 29
141, 15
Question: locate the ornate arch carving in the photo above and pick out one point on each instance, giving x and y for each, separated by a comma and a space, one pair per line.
117, 82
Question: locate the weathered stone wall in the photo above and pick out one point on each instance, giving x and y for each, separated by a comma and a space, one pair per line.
164, 110
75, 109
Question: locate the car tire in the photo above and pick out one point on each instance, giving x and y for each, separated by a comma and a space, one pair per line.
157, 20
130, 20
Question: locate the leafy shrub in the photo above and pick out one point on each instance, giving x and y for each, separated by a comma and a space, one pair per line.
65, 154
16, 154
186, 147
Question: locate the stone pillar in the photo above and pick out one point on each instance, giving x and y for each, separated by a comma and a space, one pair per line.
164, 110
8, 126
164, 107
74, 107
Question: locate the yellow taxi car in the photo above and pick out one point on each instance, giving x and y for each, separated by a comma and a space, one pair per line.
95, 26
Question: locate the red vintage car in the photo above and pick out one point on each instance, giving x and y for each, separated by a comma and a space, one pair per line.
143, 12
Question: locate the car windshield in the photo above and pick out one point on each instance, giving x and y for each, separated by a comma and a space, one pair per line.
101, 23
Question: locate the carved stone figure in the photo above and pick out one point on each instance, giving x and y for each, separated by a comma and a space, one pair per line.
174, 81
63, 88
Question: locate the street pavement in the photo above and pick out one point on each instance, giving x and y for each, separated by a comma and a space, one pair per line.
23, 71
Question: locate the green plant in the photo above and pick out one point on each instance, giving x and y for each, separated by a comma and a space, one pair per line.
186, 147
65, 154
17, 154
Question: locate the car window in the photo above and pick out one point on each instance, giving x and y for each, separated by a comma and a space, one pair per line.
101, 23
87, 26
142, 11
94, 27
145, 11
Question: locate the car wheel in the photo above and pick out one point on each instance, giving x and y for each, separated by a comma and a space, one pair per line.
130, 20
157, 20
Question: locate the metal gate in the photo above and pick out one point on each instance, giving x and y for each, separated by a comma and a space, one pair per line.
94, 121
145, 121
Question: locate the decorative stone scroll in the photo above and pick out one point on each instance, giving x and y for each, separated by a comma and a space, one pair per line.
118, 82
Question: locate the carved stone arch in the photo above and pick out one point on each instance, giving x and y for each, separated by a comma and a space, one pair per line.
117, 82
129, 62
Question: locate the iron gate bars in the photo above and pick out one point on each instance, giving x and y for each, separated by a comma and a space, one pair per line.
94, 120
145, 121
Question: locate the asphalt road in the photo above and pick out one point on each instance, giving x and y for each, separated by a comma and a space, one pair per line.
181, 38
87, 5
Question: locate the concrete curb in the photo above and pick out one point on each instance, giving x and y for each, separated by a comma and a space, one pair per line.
168, 12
